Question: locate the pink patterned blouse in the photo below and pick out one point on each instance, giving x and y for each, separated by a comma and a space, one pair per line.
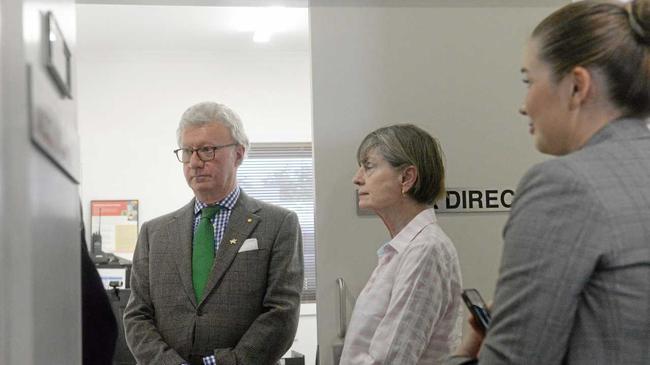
410, 310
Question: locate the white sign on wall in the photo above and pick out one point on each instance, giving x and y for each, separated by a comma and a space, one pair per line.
464, 200
460, 200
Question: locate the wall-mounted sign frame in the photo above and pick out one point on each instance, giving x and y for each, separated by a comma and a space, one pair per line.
57, 55
51, 110
114, 225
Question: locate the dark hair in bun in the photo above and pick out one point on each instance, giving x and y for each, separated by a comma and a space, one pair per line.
611, 37
639, 18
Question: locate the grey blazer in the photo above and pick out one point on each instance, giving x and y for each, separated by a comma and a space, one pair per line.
249, 312
574, 282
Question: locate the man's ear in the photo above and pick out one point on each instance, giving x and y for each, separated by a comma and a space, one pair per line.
409, 177
582, 85
240, 152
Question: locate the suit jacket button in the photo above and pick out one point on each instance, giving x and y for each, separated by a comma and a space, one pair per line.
199, 313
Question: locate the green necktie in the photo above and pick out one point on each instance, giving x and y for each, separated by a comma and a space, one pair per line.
203, 250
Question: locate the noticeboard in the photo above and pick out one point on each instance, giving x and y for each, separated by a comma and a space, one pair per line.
114, 225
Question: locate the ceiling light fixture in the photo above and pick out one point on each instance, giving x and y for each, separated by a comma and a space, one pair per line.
267, 21
262, 36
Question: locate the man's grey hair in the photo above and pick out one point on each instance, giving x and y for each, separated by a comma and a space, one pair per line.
209, 112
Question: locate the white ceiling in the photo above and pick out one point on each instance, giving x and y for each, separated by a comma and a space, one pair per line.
196, 29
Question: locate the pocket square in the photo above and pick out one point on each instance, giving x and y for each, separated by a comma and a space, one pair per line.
248, 245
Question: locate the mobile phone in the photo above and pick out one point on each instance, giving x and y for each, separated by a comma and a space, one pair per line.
477, 307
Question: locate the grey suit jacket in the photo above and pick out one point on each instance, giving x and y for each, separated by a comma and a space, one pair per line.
574, 282
249, 312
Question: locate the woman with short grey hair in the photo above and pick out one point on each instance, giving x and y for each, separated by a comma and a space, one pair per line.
409, 311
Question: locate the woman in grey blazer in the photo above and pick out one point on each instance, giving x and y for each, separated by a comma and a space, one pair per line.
574, 282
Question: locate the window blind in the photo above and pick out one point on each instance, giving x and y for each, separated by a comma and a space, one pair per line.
283, 174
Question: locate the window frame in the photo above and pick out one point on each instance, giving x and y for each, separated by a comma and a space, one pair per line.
251, 179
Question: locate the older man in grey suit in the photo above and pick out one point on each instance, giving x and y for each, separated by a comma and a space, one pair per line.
219, 280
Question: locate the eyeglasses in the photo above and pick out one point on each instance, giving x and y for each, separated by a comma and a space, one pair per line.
205, 153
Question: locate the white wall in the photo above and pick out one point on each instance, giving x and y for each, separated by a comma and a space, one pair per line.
130, 105
452, 67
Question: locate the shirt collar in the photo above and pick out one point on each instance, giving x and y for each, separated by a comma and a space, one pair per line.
226, 203
409, 232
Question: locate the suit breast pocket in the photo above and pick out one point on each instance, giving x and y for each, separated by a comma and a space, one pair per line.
252, 261
248, 271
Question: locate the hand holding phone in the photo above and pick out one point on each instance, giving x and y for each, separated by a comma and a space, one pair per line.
477, 307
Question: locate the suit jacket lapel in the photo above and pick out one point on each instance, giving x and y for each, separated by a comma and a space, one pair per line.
240, 225
180, 233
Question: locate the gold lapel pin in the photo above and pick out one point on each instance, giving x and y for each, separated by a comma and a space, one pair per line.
249, 220
233, 241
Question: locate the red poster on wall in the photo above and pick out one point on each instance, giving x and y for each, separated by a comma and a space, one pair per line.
115, 224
